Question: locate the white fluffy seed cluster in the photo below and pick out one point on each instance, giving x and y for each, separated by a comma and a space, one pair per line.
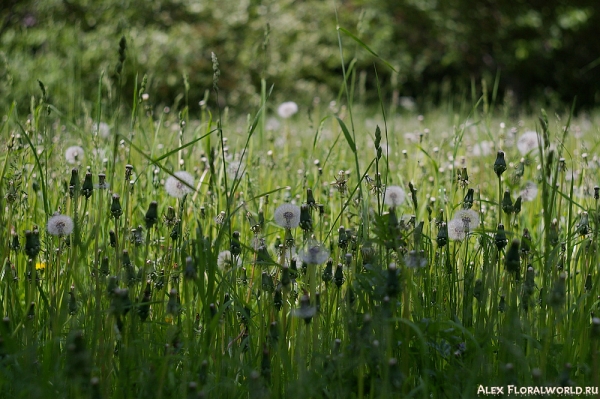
60, 225
528, 142
464, 221
314, 253
74, 154
287, 109
180, 184
287, 216
394, 196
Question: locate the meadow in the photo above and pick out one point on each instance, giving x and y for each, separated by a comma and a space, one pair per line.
313, 250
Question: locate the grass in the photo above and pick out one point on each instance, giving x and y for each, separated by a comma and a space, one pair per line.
141, 300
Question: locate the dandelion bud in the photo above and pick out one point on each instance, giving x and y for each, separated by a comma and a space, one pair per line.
512, 260
278, 298
151, 215
392, 285
74, 182
478, 289
327, 275
507, 205
517, 205
285, 277
596, 192
502, 304
102, 184
338, 278
32, 243
342, 238
267, 282
413, 194
289, 239
235, 247
15, 245
170, 217
190, 272
468, 201
115, 209
88, 186
175, 232
128, 172
442, 236
305, 218
173, 306
553, 234
525, 242
583, 227
500, 164
500, 238
310, 199
72, 301
558, 294
529, 285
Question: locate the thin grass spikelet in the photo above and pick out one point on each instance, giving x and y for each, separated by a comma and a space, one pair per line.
74, 154
394, 196
287, 216
179, 184
60, 225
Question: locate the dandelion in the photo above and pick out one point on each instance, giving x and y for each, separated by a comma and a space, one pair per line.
74, 154
415, 259
528, 142
314, 253
40, 266
529, 191
482, 149
102, 129
468, 217
456, 230
226, 261
287, 109
287, 215
60, 225
394, 196
179, 184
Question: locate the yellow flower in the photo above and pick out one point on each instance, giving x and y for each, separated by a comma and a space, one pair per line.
40, 266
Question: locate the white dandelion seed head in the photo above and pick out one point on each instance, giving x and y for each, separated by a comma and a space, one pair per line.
415, 259
287, 109
528, 142
482, 149
314, 253
74, 154
272, 124
180, 184
226, 261
394, 196
529, 191
287, 215
235, 169
60, 225
102, 129
456, 230
468, 217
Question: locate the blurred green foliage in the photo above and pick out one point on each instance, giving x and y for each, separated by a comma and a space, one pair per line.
539, 49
